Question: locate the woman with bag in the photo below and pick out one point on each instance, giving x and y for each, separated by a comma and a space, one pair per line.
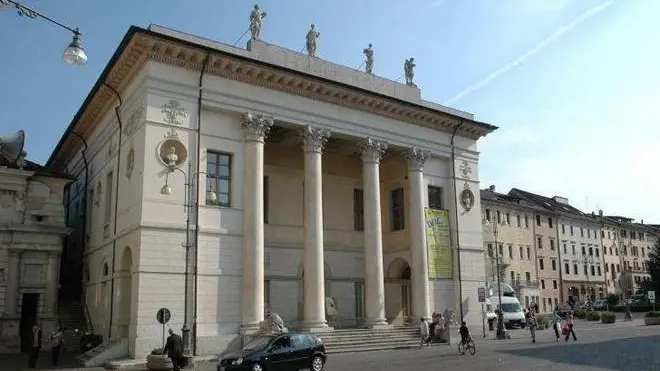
556, 323
569, 326
532, 324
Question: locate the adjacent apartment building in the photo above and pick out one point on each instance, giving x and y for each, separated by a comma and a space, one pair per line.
509, 232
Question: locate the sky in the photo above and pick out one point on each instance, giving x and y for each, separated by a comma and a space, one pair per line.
573, 85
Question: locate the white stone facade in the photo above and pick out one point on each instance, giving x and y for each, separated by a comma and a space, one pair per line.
31, 230
306, 213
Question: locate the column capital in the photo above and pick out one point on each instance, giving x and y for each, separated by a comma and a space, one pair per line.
371, 150
416, 158
14, 253
314, 139
256, 128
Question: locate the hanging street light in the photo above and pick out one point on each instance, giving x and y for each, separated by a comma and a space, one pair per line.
74, 53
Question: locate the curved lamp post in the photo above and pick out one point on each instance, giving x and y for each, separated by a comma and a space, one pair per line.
166, 189
74, 53
501, 331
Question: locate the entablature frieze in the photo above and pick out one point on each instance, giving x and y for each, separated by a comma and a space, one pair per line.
141, 46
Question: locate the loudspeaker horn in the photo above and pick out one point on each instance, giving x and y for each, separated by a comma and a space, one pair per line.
11, 146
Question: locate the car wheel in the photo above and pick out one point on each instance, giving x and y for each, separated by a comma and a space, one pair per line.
317, 364
257, 367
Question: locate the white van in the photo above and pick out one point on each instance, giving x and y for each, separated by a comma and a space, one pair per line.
511, 310
491, 317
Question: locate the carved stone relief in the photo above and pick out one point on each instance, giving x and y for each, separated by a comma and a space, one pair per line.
134, 121
130, 163
467, 197
465, 169
173, 112
172, 152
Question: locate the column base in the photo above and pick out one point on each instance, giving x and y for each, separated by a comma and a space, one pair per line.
316, 327
378, 324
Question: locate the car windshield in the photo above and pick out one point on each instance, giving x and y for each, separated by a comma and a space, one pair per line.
511, 308
258, 343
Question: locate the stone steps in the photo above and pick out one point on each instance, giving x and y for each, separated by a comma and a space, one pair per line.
362, 340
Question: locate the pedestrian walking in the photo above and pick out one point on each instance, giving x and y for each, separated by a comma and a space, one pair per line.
56, 342
569, 326
556, 322
174, 350
424, 332
532, 324
33, 356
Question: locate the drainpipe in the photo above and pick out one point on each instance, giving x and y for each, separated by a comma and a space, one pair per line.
458, 243
561, 275
536, 257
79, 257
114, 231
197, 170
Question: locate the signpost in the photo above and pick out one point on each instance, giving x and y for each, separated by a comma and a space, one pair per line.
651, 295
481, 293
163, 317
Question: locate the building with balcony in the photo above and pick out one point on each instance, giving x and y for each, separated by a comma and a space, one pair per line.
32, 229
635, 242
612, 259
310, 188
509, 232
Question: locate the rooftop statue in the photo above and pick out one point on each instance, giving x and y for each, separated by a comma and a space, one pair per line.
312, 35
256, 17
369, 63
408, 71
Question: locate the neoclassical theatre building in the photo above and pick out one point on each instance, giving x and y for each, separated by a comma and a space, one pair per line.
322, 193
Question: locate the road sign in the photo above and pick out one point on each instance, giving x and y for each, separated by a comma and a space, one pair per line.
651, 295
481, 292
163, 316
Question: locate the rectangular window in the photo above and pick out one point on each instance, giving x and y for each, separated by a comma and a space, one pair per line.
571, 230
435, 197
538, 220
552, 244
526, 221
568, 271
543, 284
541, 264
593, 270
518, 221
508, 218
528, 277
510, 252
266, 198
513, 276
539, 242
359, 299
565, 251
499, 217
554, 284
218, 170
554, 265
586, 269
575, 269
490, 250
550, 222
520, 251
108, 197
358, 209
563, 229
488, 215
529, 255
398, 218
600, 272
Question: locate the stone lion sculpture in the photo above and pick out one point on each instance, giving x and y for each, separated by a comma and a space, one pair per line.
273, 324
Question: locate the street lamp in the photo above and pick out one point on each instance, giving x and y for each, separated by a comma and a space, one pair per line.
501, 331
211, 196
74, 53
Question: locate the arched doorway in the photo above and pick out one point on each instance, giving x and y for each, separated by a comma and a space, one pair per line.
398, 292
125, 293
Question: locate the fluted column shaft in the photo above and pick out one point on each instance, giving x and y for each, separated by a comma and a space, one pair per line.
313, 142
13, 281
52, 283
371, 152
416, 159
255, 129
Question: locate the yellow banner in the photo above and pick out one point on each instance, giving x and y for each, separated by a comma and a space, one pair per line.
438, 244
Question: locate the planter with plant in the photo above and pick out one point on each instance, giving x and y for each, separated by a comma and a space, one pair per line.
157, 361
593, 316
580, 313
608, 317
652, 318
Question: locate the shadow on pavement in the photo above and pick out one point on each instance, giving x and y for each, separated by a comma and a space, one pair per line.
620, 355
19, 362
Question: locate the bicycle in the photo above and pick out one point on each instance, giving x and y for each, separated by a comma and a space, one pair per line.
467, 346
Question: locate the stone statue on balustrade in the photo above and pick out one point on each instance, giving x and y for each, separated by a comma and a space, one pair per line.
256, 17
408, 71
310, 44
369, 63
450, 318
272, 324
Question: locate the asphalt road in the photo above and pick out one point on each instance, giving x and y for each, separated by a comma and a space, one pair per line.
616, 347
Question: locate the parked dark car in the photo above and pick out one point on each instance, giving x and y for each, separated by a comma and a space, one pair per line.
280, 352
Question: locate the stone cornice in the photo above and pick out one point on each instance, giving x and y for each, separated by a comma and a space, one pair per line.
140, 46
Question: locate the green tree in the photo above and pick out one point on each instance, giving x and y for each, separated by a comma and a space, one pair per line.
654, 267
612, 300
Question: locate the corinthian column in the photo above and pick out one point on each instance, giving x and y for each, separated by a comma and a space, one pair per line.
420, 284
371, 152
313, 141
255, 129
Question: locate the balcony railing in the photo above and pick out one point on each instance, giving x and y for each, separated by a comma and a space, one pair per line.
524, 284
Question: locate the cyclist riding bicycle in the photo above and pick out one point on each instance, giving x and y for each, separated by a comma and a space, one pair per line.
465, 333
